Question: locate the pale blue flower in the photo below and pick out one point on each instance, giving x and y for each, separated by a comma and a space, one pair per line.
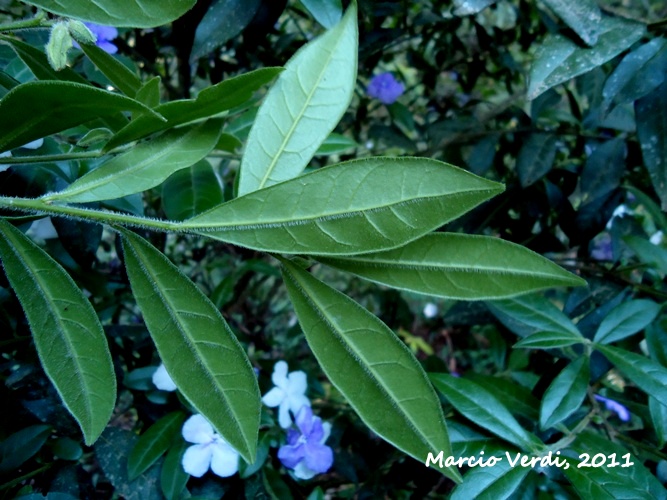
162, 380
305, 451
104, 35
385, 88
209, 451
289, 393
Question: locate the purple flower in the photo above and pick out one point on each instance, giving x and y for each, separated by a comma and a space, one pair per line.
621, 411
104, 35
305, 451
385, 88
602, 248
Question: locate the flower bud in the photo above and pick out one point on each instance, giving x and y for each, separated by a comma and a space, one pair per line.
60, 42
80, 32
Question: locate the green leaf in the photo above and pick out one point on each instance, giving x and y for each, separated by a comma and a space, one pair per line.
659, 419
209, 102
559, 59
468, 7
605, 482
336, 144
490, 483
626, 319
43, 108
536, 158
144, 166
21, 446
550, 340
325, 12
200, 352
119, 74
302, 107
651, 115
583, 16
353, 207
67, 449
119, 13
173, 478
484, 409
647, 252
67, 333
641, 71
223, 20
149, 93
603, 170
565, 394
153, 443
530, 314
648, 375
374, 370
458, 266
191, 191
518, 399
656, 340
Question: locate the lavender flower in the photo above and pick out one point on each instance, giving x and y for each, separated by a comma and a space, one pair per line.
104, 35
613, 406
305, 451
385, 88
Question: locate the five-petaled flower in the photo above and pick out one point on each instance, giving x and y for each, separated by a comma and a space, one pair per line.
385, 88
104, 35
305, 451
209, 451
613, 406
289, 393
162, 380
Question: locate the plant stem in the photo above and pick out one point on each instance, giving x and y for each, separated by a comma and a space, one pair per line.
86, 214
39, 21
15, 160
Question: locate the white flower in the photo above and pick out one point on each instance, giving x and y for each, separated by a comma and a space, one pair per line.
657, 238
430, 310
288, 394
209, 451
162, 380
42, 229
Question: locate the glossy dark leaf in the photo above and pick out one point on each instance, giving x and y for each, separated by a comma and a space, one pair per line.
153, 443
651, 113
565, 394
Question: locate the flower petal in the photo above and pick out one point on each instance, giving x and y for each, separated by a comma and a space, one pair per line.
303, 472
297, 383
197, 429
162, 380
291, 455
225, 461
305, 421
274, 397
318, 457
297, 402
36, 144
284, 418
279, 376
326, 428
197, 459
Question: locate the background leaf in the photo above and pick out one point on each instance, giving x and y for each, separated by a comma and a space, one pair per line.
536, 158
583, 16
550, 340
153, 443
458, 266
191, 191
130, 13
302, 107
20, 446
565, 394
196, 345
651, 113
497, 482
325, 12
559, 59
119, 74
67, 333
347, 208
374, 370
144, 166
626, 319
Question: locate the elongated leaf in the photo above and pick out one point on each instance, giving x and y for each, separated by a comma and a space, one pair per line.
21, 446
336, 144
651, 114
530, 314
484, 409
325, 12
565, 394
641, 71
144, 166
119, 13
173, 478
69, 338
223, 20
191, 191
659, 420
517, 398
645, 373
209, 102
196, 345
550, 340
603, 170
119, 74
493, 483
626, 319
458, 266
375, 371
302, 107
37, 109
559, 59
656, 340
153, 443
353, 207
149, 92
536, 158
583, 16
647, 252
